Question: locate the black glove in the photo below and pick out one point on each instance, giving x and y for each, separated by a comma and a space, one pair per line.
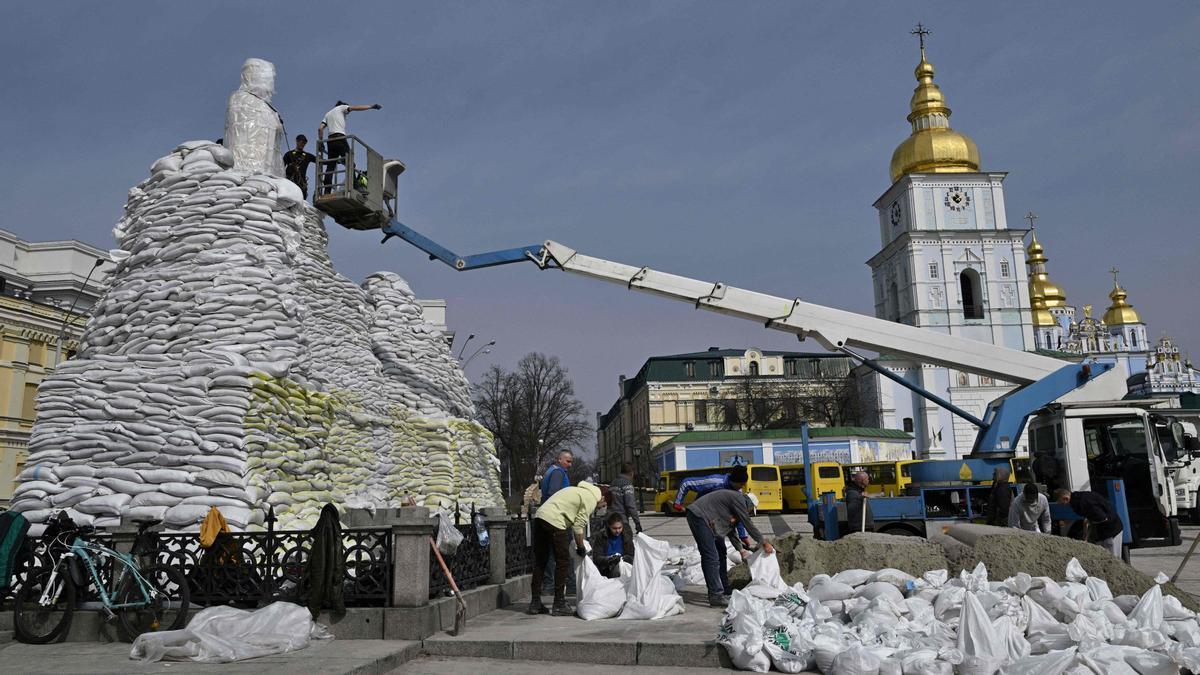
581, 551
376, 107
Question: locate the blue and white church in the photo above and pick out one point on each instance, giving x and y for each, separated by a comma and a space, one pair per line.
950, 262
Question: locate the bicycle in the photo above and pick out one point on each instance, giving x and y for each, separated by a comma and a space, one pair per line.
143, 597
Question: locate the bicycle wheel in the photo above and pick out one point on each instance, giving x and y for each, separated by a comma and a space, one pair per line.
39, 624
168, 605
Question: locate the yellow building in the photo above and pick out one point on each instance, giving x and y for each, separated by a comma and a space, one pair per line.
46, 292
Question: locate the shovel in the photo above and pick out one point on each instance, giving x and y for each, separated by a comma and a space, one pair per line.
460, 614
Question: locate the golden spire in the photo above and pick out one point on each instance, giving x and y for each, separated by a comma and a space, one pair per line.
933, 146
1039, 280
1119, 312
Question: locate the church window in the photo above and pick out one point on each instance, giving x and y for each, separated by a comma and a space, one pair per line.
972, 296
933, 270
1004, 271
754, 369
1133, 341
908, 424
1047, 336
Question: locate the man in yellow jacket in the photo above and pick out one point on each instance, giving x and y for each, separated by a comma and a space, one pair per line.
565, 513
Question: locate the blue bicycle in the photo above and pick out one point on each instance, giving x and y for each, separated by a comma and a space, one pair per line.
144, 597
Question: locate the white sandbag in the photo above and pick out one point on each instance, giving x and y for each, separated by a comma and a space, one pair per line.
107, 505
983, 650
742, 632
878, 589
218, 478
1053, 663
153, 499
830, 590
225, 634
146, 512
924, 662
598, 596
898, 578
853, 577
650, 595
765, 579
857, 660
182, 490
185, 515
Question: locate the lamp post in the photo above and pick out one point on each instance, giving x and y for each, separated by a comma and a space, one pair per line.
466, 342
484, 350
62, 329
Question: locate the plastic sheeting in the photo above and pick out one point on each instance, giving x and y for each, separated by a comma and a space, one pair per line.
225, 634
253, 129
599, 596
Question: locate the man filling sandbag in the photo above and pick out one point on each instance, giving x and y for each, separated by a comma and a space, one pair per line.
566, 512
712, 518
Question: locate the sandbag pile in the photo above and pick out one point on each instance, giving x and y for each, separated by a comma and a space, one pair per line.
229, 365
887, 621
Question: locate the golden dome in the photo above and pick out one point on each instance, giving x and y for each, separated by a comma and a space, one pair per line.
1039, 280
933, 146
1041, 315
1120, 312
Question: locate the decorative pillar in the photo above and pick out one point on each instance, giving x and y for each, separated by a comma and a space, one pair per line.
411, 533
496, 518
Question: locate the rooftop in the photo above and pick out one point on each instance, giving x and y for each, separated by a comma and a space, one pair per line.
771, 434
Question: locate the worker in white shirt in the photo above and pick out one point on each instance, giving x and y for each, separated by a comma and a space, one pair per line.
335, 122
1030, 511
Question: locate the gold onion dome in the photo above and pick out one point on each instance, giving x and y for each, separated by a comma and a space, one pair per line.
1120, 312
933, 146
1039, 280
1041, 315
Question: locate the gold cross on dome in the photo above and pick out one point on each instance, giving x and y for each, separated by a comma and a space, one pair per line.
1031, 217
1114, 271
921, 31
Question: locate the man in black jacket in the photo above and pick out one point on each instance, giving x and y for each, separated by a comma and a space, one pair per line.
1000, 499
858, 506
622, 497
1101, 522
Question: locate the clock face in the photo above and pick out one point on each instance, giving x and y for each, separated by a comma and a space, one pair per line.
957, 199
895, 213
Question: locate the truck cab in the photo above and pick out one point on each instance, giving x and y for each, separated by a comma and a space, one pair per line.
1094, 443
1179, 435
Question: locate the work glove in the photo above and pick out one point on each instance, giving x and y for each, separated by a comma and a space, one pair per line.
376, 107
581, 551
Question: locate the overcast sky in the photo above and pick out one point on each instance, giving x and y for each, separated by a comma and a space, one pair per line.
740, 142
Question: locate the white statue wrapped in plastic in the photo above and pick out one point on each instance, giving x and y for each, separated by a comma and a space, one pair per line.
253, 128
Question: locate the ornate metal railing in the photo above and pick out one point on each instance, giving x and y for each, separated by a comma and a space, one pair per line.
470, 564
518, 548
250, 568
42, 559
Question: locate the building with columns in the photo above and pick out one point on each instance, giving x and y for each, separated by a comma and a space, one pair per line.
949, 262
46, 293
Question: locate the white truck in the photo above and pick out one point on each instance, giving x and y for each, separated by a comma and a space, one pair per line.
1181, 445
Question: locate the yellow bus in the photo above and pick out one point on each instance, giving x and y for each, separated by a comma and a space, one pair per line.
791, 477
763, 482
890, 479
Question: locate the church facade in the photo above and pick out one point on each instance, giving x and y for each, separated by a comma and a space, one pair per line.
950, 261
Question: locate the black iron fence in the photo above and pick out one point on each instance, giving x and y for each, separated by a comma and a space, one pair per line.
247, 569
470, 563
42, 559
518, 548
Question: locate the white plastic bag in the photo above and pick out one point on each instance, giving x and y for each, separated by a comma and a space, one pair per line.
982, 648
853, 577
765, 579
448, 536
857, 660
649, 594
225, 634
743, 632
599, 597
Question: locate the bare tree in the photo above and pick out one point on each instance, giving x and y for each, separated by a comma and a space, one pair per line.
533, 414
828, 394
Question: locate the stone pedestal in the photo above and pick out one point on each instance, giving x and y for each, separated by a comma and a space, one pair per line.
412, 530
497, 525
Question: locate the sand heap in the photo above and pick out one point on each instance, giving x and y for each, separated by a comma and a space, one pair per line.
230, 365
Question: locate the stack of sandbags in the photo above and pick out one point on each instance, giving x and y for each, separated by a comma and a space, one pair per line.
230, 365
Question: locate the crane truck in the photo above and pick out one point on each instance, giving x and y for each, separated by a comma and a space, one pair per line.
1074, 410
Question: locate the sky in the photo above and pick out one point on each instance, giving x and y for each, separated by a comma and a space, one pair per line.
734, 142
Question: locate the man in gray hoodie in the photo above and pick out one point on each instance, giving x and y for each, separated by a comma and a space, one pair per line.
1030, 511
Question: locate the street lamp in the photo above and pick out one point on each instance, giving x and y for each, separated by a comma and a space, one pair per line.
484, 349
464, 344
62, 329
